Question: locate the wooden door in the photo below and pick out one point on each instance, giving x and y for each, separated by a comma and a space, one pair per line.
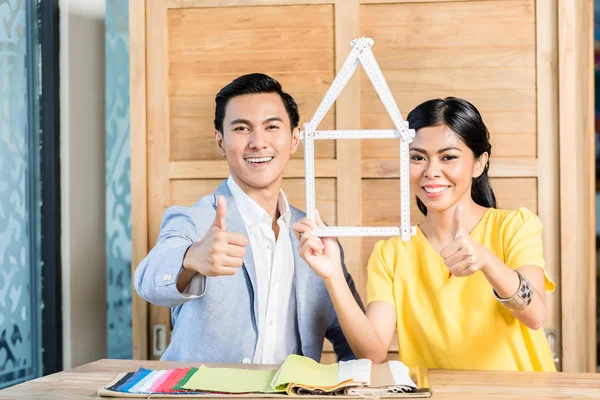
499, 54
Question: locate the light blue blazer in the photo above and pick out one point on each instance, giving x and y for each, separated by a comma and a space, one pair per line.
221, 324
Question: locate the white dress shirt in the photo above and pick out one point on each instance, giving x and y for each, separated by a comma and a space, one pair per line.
274, 263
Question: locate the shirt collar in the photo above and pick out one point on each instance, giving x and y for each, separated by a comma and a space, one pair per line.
284, 208
251, 212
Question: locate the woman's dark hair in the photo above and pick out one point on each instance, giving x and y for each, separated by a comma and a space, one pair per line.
249, 84
464, 119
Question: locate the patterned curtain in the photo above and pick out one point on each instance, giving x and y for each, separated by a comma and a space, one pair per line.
118, 191
20, 304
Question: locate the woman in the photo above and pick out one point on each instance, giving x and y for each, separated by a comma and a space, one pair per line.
468, 291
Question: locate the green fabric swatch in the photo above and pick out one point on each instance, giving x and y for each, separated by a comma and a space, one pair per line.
179, 385
306, 371
230, 380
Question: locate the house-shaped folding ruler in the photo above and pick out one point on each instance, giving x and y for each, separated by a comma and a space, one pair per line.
360, 54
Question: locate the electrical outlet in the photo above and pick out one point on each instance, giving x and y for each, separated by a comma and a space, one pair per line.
159, 339
552, 338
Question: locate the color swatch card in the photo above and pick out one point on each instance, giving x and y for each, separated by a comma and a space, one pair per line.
297, 376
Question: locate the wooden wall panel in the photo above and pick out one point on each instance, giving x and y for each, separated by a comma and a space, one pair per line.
196, 21
548, 156
433, 50
326, 196
185, 192
157, 144
577, 191
209, 47
411, 13
298, 83
139, 171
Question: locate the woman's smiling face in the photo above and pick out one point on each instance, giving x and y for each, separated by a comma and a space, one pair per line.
442, 167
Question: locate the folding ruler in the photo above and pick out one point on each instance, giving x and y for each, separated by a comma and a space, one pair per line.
360, 54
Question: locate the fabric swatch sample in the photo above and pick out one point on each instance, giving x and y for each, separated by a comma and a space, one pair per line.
303, 375
173, 379
142, 382
135, 378
231, 380
401, 374
161, 380
356, 370
121, 381
179, 385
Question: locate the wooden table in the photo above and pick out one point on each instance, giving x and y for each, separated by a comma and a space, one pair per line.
83, 383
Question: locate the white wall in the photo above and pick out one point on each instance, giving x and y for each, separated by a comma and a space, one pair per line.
82, 151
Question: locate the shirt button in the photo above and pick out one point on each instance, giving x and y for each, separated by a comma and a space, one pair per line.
271, 323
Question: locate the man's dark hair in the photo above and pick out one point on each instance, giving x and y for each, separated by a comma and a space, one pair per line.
253, 83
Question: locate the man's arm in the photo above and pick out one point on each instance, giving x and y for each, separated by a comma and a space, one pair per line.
156, 276
175, 270
334, 331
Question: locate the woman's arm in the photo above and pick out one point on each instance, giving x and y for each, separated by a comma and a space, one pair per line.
506, 283
463, 257
368, 335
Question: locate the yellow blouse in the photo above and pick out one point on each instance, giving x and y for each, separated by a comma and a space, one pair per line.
452, 322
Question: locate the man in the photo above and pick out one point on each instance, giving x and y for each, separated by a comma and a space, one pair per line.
228, 266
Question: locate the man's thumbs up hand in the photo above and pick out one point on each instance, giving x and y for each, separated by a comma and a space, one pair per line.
219, 252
